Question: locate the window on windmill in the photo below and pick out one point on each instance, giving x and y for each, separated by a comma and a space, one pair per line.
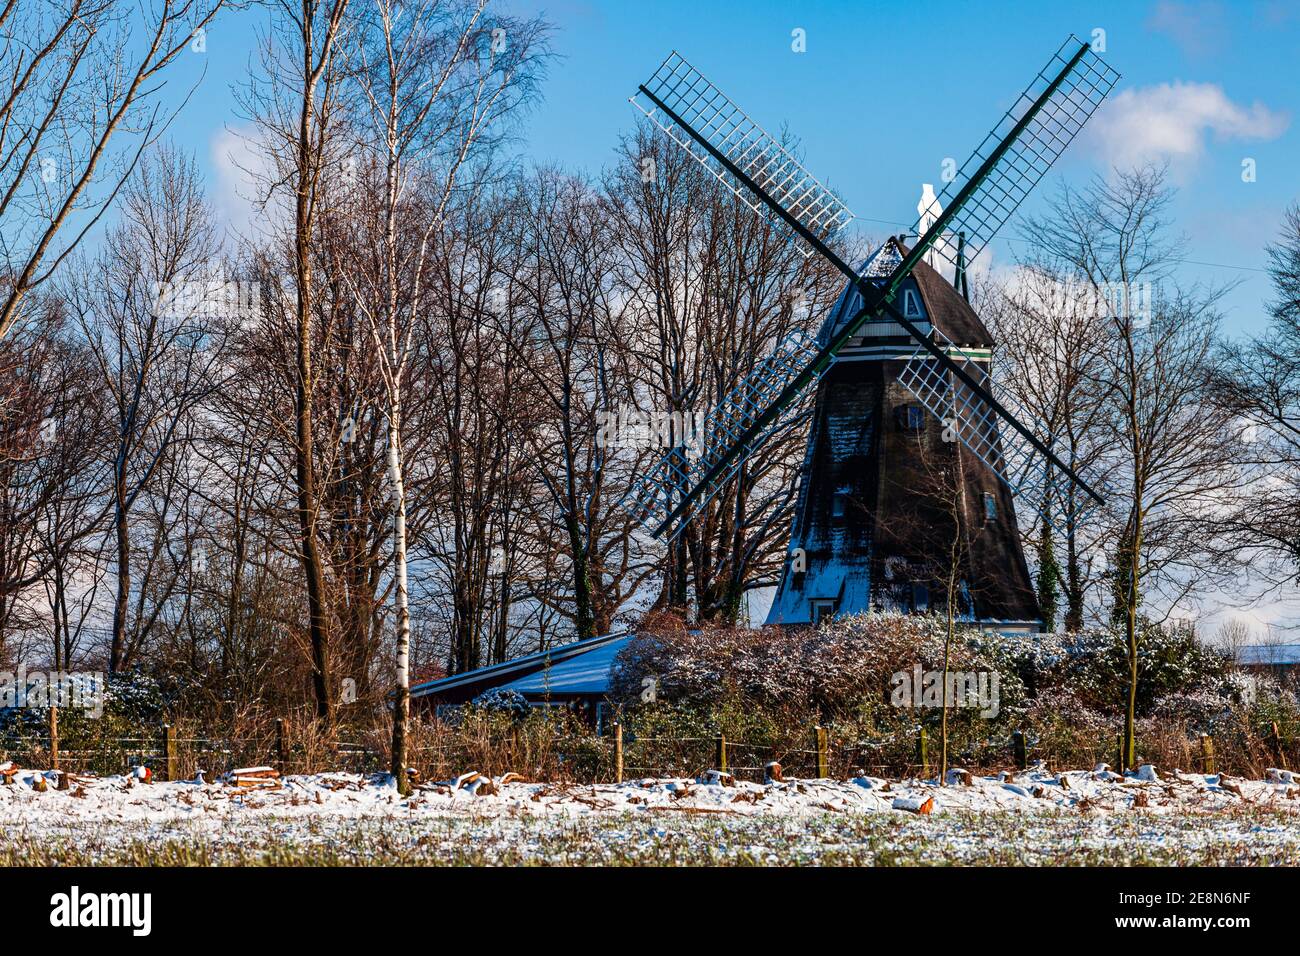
990, 507
821, 610
912, 304
839, 503
910, 418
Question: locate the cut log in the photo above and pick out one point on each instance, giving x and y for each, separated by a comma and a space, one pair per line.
772, 773
914, 804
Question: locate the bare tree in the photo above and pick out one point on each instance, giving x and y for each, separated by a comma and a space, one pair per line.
435, 78
711, 290
295, 105
1175, 445
564, 326
1261, 382
1052, 339
77, 74
144, 309
52, 484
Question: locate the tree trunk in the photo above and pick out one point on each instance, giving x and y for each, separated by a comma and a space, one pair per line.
1130, 629
402, 701
584, 618
117, 648
1073, 585
305, 464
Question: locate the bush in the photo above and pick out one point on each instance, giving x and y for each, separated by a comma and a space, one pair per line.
1093, 665
500, 700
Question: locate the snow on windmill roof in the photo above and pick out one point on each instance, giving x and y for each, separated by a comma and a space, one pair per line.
944, 306
881, 263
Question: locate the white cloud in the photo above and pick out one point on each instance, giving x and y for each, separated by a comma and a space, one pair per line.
1172, 121
241, 165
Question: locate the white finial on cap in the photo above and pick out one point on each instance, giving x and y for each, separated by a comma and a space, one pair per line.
929, 210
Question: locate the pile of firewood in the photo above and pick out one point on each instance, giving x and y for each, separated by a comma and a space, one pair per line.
256, 778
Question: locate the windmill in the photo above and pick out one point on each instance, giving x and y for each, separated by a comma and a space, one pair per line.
899, 330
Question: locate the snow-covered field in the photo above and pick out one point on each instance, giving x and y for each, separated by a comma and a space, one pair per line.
1034, 816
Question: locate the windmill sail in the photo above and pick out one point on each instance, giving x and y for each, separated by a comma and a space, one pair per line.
1000, 174
968, 419
653, 498
735, 149
1017, 152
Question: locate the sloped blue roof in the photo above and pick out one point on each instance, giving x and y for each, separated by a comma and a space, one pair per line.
587, 673
498, 674
1269, 654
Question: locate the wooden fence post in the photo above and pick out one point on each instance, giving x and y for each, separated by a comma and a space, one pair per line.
618, 752
1207, 753
54, 738
923, 751
822, 745
1277, 745
1018, 745
722, 753
169, 752
281, 751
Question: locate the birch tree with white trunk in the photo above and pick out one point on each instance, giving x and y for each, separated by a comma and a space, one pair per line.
433, 77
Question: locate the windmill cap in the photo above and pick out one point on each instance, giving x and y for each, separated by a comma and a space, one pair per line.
944, 305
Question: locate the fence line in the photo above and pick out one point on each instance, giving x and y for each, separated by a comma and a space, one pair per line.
607, 757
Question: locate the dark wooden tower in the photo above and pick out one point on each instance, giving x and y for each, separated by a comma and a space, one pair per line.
884, 500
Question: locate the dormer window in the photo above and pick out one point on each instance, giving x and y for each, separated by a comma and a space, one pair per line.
822, 610
912, 304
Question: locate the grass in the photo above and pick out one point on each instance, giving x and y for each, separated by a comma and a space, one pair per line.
665, 838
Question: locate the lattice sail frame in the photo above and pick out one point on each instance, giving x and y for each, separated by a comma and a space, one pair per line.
967, 418
1030, 155
652, 498
680, 88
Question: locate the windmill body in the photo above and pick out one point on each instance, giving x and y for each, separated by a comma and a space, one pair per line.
885, 502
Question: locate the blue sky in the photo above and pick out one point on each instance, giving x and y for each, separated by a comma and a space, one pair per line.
884, 93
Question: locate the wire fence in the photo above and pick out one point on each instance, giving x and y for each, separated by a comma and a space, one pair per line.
586, 757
